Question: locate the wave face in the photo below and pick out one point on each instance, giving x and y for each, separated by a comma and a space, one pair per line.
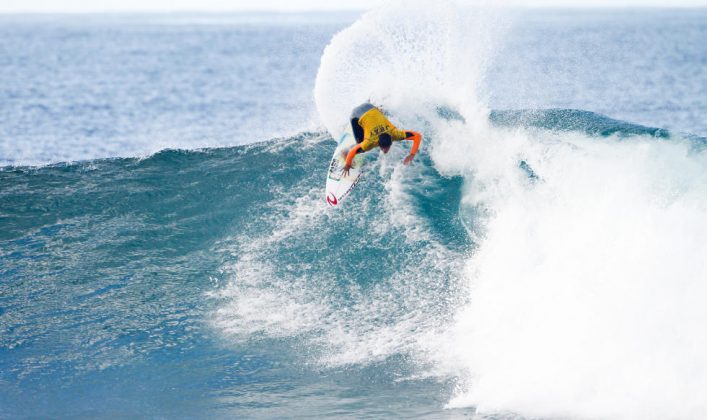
106, 265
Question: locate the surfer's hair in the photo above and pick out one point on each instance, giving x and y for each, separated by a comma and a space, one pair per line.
384, 140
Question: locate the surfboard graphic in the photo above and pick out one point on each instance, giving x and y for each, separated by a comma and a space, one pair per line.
338, 187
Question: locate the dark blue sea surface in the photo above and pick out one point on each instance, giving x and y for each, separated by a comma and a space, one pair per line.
166, 252
645, 66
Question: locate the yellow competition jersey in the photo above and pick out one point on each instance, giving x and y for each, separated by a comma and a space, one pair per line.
374, 123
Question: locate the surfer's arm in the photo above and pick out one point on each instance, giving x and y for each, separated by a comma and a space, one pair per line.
350, 157
352, 154
416, 138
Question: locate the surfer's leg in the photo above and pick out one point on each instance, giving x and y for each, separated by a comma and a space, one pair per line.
357, 130
360, 110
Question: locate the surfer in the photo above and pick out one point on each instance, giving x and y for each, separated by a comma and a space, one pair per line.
372, 129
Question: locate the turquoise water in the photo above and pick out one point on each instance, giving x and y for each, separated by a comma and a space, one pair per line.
533, 262
105, 282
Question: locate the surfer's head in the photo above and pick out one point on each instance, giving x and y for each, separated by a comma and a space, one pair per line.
384, 141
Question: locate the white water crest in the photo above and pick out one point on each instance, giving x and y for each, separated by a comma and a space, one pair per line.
588, 287
407, 58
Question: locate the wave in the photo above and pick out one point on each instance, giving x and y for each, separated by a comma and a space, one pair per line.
586, 233
467, 267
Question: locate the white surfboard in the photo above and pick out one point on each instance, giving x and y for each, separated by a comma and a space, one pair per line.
338, 187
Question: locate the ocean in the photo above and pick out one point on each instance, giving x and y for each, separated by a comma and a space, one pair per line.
166, 250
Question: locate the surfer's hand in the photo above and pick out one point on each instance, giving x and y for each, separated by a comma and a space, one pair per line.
408, 159
345, 171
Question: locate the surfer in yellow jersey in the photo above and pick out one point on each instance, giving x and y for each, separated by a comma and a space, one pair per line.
372, 129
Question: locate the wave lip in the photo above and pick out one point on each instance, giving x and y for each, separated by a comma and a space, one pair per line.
587, 122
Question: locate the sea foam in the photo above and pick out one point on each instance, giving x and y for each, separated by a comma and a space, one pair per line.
587, 287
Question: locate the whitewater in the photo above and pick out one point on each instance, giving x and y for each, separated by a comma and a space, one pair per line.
541, 259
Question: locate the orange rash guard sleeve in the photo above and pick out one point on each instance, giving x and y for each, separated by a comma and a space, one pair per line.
352, 154
416, 138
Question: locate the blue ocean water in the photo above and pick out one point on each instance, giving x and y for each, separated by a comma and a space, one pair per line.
133, 85
165, 250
